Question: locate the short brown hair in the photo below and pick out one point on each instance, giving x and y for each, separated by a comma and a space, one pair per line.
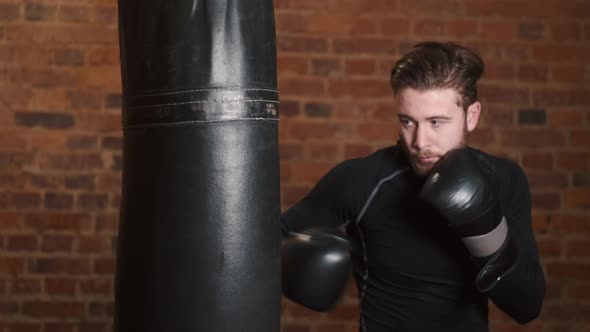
434, 65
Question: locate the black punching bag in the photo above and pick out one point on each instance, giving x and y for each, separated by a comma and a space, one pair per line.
199, 238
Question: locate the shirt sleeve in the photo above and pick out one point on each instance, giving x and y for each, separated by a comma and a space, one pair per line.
329, 204
521, 291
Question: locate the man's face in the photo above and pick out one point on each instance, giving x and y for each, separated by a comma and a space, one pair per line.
431, 124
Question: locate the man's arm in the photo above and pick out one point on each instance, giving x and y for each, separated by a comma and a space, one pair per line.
328, 204
498, 236
520, 292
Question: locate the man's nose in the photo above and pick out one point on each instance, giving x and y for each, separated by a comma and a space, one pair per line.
420, 140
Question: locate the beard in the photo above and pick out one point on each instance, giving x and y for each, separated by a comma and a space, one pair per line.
423, 168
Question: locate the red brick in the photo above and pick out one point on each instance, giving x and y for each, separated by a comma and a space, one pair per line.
96, 286
295, 327
533, 138
291, 65
359, 88
462, 28
57, 243
432, 7
337, 6
548, 180
93, 327
76, 14
577, 248
502, 94
310, 171
517, 9
497, 116
533, 73
576, 199
328, 24
360, 66
104, 266
546, 201
578, 292
107, 223
362, 46
103, 122
560, 97
10, 220
44, 120
575, 224
363, 26
94, 244
285, 170
579, 138
566, 32
53, 309
63, 34
326, 66
290, 22
80, 182
92, 201
70, 162
26, 286
377, 131
8, 308
60, 265
324, 152
357, 150
481, 137
538, 160
12, 265
59, 327
60, 286
308, 87
69, 57
563, 54
565, 271
39, 11
394, 26
9, 12
103, 56
61, 221
498, 31
530, 31
59, 201
319, 130
567, 74
430, 27
25, 200
566, 119
24, 327
565, 311
21, 242
301, 44
573, 160
549, 248
85, 100
106, 15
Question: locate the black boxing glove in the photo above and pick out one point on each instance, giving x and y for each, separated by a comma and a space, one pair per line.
315, 266
460, 188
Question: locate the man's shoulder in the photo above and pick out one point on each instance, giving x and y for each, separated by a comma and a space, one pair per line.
504, 167
384, 158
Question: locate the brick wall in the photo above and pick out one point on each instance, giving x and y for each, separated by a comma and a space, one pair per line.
60, 137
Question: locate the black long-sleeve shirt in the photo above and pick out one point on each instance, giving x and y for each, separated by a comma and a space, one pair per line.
413, 273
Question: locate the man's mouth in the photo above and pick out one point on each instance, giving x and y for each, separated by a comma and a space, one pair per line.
426, 159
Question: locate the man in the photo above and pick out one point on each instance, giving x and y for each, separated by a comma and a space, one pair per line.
437, 228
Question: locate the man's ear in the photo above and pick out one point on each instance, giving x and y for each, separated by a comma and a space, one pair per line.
473, 112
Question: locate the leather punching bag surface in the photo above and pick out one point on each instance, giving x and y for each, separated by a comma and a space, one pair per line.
199, 238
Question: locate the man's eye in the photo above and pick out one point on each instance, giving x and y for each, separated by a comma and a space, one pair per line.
436, 123
405, 122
